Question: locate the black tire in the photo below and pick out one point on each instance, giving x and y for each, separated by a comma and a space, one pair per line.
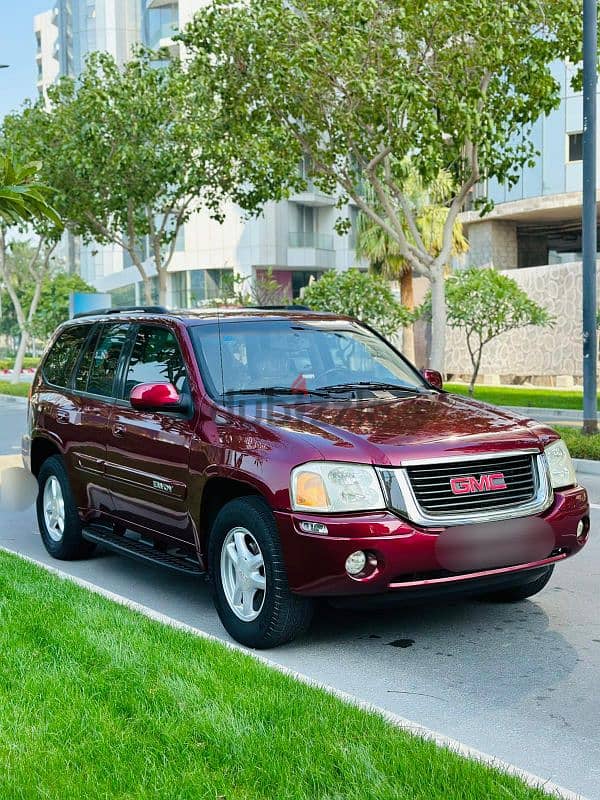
283, 615
71, 545
522, 590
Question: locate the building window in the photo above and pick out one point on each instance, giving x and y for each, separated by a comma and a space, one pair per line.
575, 146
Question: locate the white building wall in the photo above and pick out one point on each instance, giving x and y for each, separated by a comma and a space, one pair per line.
46, 33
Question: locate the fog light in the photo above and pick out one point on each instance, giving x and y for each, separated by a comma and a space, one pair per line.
583, 527
356, 562
314, 527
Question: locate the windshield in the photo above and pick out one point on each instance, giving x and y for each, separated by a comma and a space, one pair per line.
289, 357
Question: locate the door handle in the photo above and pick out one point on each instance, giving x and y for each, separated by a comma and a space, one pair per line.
118, 430
62, 416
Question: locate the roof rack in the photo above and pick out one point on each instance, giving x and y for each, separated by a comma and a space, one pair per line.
279, 308
122, 310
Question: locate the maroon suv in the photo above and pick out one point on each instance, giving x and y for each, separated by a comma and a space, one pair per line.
290, 455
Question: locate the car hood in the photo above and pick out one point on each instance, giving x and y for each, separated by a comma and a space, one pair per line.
391, 430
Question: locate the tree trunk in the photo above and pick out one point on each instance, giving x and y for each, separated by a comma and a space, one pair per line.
22, 349
407, 297
162, 287
438, 318
148, 291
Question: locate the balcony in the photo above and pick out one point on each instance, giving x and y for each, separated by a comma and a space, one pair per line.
309, 250
318, 241
313, 196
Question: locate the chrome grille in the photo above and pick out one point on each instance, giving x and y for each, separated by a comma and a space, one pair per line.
431, 484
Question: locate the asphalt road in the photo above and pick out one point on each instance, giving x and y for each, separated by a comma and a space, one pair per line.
520, 682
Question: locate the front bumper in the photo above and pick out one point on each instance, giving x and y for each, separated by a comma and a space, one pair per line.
410, 558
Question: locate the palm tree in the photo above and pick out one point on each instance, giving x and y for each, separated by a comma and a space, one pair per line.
22, 199
383, 253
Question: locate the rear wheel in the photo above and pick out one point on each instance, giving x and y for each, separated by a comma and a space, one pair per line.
248, 575
522, 590
57, 515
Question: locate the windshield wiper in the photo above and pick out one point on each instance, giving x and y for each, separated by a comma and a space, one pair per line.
348, 387
275, 390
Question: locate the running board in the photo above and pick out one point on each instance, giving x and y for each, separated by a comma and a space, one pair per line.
141, 551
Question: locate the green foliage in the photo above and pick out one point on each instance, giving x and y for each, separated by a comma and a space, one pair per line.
580, 444
258, 290
484, 303
137, 149
358, 294
22, 198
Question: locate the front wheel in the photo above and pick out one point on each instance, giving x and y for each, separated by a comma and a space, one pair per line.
522, 590
249, 580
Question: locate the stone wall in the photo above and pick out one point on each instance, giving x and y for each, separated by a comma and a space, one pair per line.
533, 351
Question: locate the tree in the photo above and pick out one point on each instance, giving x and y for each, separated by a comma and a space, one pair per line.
383, 252
357, 86
357, 294
24, 266
53, 306
136, 150
484, 304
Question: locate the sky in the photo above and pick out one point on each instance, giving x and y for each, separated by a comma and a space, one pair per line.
17, 48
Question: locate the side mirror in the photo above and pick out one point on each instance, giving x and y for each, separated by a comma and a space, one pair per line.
155, 397
433, 377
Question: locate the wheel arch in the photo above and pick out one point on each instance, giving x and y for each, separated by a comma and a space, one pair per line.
217, 492
42, 448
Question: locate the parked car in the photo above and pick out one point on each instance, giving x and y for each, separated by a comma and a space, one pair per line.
288, 456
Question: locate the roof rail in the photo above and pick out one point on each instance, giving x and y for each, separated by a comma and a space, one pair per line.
122, 310
292, 307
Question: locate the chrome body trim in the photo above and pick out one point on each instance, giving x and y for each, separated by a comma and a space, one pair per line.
542, 500
423, 462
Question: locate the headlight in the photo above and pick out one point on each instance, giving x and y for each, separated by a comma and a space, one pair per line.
562, 471
334, 487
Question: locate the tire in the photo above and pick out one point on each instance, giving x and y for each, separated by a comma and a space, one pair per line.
522, 590
245, 529
63, 541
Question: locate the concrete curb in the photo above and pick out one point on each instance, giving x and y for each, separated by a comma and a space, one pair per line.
567, 414
21, 401
587, 466
414, 728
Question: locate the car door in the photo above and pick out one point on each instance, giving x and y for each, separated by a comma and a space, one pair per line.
148, 452
92, 397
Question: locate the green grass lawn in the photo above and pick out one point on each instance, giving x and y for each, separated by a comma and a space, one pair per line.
14, 389
97, 701
523, 396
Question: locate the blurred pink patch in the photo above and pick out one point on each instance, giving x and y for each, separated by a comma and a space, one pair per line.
18, 489
494, 544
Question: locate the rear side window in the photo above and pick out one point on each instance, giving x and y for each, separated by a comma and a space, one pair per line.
155, 358
60, 361
105, 362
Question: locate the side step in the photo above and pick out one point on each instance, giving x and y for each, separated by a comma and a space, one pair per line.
142, 551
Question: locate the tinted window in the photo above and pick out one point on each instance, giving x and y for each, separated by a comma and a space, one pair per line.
106, 359
155, 358
61, 359
85, 363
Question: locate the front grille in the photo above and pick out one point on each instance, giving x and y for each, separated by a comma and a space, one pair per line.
431, 484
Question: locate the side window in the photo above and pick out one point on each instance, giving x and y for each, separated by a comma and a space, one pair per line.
155, 358
61, 359
106, 359
85, 364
